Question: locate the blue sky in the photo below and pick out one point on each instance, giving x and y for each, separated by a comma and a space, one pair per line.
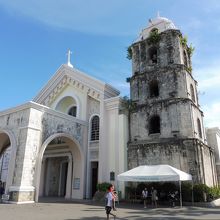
35, 36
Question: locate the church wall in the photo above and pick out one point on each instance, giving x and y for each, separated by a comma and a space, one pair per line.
187, 155
173, 121
168, 52
213, 138
78, 94
32, 124
208, 166
116, 137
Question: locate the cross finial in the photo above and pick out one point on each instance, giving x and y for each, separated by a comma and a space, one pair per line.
158, 14
68, 58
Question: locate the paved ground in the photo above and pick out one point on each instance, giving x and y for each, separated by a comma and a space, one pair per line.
88, 210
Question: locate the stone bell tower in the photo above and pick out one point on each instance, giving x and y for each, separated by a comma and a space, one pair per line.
166, 122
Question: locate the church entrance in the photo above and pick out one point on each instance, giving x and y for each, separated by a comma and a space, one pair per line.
61, 169
55, 176
94, 173
5, 154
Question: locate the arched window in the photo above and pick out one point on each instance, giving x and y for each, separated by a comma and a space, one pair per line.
199, 128
72, 111
95, 128
153, 88
185, 58
153, 54
192, 93
154, 124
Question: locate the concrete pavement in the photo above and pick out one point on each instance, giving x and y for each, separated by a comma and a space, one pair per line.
87, 210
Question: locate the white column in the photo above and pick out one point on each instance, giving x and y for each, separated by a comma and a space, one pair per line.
69, 178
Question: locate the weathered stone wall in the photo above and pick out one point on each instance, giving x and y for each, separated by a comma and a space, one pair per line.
51, 124
174, 115
184, 154
169, 52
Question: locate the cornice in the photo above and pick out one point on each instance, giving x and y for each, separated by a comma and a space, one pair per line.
43, 109
113, 103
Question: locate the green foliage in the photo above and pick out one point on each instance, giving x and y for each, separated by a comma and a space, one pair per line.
189, 69
128, 79
201, 192
183, 41
190, 50
154, 37
103, 186
129, 53
187, 191
214, 193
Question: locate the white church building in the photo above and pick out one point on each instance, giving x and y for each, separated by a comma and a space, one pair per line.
73, 136
65, 141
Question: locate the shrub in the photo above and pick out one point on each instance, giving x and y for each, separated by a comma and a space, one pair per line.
187, 192
201, 192
103, 186
214, 193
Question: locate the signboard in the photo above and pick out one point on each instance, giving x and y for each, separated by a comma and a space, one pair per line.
76, 183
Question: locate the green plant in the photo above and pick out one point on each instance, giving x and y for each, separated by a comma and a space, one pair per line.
214, 193
189, 69
187, 192
201, 192
190, 50
129, 53
128, 79
183, 41
154, 37
103, 186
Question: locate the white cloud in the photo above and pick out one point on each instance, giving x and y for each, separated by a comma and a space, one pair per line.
88, 16
212, 115
209, 76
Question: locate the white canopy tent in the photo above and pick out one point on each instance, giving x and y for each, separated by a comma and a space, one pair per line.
155, 173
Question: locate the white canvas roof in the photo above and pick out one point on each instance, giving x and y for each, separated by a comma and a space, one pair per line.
154, 173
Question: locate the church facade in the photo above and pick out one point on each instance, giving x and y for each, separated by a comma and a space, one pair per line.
63, 142
76, 132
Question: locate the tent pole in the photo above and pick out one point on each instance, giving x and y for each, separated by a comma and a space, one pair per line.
192, 194
180, 194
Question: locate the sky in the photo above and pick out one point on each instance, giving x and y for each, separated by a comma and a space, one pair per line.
36, 34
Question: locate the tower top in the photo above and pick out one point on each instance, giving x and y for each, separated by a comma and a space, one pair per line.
159, 23
68, 58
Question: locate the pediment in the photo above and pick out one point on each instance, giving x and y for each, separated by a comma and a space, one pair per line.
65, 76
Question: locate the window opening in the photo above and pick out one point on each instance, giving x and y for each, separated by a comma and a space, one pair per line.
154, 125
95, 128
72, 111
154, 89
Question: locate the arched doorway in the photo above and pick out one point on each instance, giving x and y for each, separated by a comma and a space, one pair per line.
60, 168
5, 155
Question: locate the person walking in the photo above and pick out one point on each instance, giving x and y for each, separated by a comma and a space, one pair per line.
109, 201
154, 197
144, 196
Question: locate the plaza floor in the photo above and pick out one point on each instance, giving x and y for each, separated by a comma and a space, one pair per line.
87, 210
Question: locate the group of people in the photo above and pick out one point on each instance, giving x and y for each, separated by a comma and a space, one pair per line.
152, 194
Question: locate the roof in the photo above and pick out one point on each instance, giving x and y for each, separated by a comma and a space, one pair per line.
159, 23
154, 173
